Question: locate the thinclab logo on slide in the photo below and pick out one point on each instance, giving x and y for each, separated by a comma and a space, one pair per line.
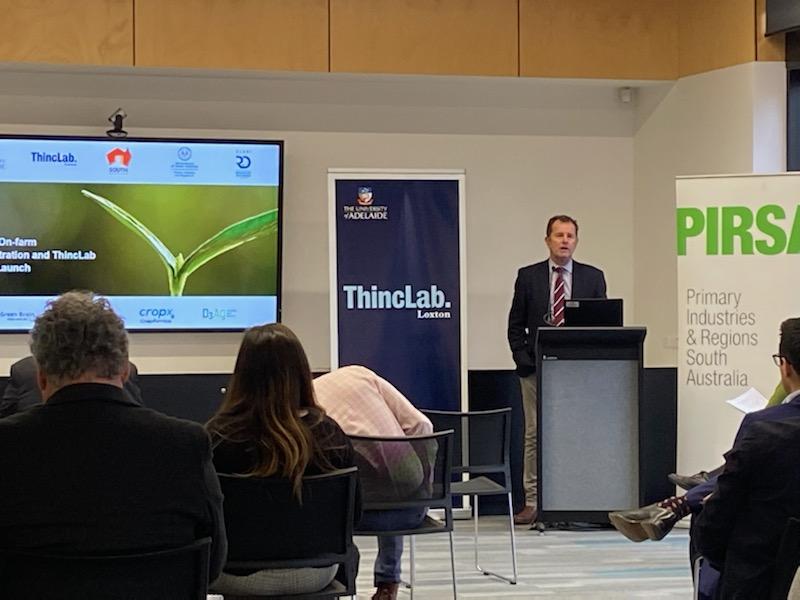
738, 230
59, 158
360, 297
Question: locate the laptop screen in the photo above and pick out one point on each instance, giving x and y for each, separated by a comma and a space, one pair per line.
593, 312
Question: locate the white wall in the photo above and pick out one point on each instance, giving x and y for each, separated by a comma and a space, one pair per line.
514, 183
577, 149
726, 121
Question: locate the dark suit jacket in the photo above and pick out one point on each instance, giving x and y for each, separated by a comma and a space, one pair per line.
90, 471
22, 391
781, 412
740, 527
531, 304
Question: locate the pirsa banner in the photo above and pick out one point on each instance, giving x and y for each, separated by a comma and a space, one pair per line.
397, 279
738, 240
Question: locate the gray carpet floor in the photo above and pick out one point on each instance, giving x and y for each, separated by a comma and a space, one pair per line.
601, 565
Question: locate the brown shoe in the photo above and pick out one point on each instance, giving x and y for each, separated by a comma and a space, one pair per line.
526, 516
386, 591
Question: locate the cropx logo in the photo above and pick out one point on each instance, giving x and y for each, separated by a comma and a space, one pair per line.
360, 297
739, 230
119, 157
219, 314
156, 315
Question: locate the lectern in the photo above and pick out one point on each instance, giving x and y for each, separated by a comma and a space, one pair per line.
589, 421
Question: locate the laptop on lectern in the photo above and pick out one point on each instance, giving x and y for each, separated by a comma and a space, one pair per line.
593, 312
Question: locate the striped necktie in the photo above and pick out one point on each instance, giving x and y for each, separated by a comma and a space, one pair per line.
559, 298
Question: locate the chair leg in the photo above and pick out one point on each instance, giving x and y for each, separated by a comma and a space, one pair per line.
513, 579
412, 568
453, 567
475, 534
513, 541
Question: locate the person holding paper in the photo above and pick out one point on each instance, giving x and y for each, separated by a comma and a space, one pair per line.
687, 482
657, 520
739, 529
540, 293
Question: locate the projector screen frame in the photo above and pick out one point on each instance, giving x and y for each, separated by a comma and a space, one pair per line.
279, 144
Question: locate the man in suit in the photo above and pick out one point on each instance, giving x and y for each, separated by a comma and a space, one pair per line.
740, 526
540, 292
90, 471
22, 391
655, 521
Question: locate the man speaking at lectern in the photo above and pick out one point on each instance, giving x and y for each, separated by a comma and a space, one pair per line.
540, 293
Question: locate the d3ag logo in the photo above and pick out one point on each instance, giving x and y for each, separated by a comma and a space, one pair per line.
219, 314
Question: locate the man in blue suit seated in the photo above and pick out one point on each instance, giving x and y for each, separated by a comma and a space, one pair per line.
655, 521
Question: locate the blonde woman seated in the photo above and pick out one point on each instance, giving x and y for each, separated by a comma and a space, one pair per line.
269, 425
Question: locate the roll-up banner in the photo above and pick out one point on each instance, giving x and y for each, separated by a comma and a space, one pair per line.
398, 286
738, 240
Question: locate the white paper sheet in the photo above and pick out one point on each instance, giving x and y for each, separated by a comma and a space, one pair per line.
751, 401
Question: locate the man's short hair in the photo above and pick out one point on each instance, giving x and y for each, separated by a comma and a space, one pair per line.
79, 333
789, 346
562, 219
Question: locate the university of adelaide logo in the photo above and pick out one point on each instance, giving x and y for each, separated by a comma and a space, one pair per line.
364, 210
364, 196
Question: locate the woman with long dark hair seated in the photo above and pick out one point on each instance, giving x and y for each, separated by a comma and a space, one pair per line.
269, 425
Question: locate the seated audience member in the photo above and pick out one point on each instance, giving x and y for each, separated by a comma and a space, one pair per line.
687, 482
90, 471
22, 392
365, 404
740, 527
657, 520
269, 425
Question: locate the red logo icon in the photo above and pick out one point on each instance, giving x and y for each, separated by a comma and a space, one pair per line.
119, 156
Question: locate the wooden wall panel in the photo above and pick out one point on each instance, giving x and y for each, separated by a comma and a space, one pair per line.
713, 34
233, 34
772, 47
92, 32
618, 39
461, 37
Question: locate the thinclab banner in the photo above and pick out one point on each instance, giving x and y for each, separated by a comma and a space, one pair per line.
397, 301
738, 241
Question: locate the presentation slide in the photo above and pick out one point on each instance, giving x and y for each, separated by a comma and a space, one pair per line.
179, 235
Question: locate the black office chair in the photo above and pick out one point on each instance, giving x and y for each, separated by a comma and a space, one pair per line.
481, 447
408, 473
173, 574
787, 561
261, 515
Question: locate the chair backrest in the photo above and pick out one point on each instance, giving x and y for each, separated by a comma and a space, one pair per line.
172, 574
786, 561
482, 439
405, 472
262, 516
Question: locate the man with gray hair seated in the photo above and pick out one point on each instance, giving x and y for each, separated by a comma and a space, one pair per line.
91, 471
